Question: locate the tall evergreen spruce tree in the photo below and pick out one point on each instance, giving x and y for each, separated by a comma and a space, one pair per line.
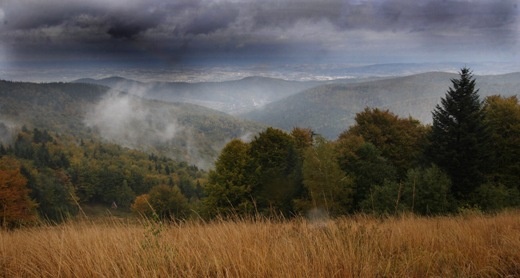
459, 137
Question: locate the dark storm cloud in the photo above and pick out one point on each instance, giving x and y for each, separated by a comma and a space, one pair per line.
77, 20
206, 20
128, 27
198, 28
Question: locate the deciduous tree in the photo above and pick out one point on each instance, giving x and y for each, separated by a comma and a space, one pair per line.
327, 186
363, 162
273, 167
502, 116
423, 191
229, 187
168, 202
400, 140
15, 205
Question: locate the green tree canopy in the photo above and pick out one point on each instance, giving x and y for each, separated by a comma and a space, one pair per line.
55, 194
274, 169
364, 163
423, 191
502, 115
229, 185
327, 186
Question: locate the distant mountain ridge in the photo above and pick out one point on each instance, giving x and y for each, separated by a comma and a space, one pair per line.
185, 131
232, 97
330, 109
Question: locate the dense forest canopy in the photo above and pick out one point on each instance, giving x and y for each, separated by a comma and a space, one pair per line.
60, 174
383, 163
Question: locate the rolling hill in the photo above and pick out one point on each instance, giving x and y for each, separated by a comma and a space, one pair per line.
182, 131
232, 97
330, 109
185, 131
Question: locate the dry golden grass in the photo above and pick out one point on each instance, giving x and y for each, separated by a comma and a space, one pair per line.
462, 246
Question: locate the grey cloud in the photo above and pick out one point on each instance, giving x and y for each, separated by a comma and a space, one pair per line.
289, 12
174, 30
127, 29
123, 22
27, 15
209, 19
205, 17
390, 14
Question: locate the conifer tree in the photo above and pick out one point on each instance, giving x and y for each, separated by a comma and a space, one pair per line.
459, 137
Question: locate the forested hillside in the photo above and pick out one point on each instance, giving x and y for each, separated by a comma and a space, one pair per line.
65, 145
182, 131
49, 176
384, 164
55, 106
330, 109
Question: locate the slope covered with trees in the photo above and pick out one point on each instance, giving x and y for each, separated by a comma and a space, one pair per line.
48, 176
385, 163
182, 131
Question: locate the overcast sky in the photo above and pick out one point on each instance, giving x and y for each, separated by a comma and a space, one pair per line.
169, 34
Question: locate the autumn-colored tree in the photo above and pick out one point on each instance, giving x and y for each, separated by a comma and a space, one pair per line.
141, 205
303, 138
15, 205
168, 202
62, 171
400, 140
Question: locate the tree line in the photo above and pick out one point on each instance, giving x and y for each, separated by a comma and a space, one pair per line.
384, 164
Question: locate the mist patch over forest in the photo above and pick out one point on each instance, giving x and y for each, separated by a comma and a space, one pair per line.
183, 131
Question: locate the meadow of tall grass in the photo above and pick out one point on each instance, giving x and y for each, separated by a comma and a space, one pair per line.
472, 245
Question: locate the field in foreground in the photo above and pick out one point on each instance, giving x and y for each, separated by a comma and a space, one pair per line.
461, 246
